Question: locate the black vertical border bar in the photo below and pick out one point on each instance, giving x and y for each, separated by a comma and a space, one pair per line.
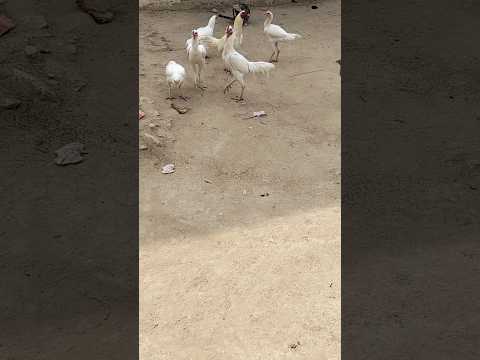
69, 234
410, 180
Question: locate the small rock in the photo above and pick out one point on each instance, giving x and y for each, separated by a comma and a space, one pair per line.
314, 7
168, 169
9, 103
70, 154
214, 10
143, 147
180, 110
31, 50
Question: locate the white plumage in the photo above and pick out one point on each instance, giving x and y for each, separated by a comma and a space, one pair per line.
175, 74
196, 54
239, 65
276, 34
218, 44
205, 30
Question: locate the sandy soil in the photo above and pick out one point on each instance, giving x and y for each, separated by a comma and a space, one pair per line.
240, 247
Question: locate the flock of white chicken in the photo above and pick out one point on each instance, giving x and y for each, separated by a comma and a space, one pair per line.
203, 44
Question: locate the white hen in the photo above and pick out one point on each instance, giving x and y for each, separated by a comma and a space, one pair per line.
205, 30
276, 34
196, 57
239, 65
175, 74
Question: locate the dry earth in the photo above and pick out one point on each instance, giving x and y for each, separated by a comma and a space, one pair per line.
240, 247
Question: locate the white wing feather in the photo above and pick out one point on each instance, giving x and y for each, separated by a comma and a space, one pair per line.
277, 33
238, 62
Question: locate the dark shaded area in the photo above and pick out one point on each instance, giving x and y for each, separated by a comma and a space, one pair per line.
69, 234
410, 180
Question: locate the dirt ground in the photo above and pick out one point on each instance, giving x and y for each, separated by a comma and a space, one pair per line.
240, 247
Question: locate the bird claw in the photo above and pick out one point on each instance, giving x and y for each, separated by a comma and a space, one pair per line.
170, 98
237, 99
184, 98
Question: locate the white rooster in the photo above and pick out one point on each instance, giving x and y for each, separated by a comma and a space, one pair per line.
175, 74
210, 41
239, 65
205, 30
196, 57
276, 34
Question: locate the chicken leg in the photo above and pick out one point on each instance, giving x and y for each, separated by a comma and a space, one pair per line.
183, 97
239, 98
273, 54
198, 81
170, 97
276, 50
229, 86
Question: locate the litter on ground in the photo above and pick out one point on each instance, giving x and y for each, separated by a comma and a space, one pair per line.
256, 114
168, 169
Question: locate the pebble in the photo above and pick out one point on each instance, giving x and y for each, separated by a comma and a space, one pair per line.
70, 154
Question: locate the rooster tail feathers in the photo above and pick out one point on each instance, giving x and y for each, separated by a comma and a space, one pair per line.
211, 21
293, 36
260, 67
